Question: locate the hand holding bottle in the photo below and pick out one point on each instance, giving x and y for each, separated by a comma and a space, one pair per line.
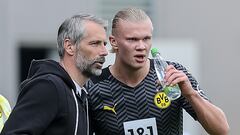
172, 91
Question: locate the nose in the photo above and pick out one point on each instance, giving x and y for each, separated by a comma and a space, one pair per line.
103, 51
141, 45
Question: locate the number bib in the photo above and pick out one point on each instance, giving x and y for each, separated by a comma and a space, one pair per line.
141, 127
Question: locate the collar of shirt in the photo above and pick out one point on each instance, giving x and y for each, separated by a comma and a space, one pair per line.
78, 88
81, 91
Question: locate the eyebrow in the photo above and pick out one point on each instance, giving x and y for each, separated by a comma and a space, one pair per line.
98, 41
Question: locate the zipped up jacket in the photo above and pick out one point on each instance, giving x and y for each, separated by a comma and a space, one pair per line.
48, 104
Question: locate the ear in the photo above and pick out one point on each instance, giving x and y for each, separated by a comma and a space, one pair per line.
113, 42
69, 47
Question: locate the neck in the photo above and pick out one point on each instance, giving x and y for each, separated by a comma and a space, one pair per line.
73, 72
130, 76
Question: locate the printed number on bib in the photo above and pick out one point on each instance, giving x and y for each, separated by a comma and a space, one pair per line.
141, 127
161, 100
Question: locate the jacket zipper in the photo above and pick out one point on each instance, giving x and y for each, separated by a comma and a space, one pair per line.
77, 112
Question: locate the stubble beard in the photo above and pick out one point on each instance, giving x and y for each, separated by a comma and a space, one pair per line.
86, 66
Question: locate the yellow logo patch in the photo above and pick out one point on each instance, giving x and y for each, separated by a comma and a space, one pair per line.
110, 108
161, 100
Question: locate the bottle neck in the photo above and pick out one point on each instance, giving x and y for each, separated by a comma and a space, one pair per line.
161, 61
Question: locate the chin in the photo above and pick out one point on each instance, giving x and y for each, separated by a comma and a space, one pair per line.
90, 73
97, 72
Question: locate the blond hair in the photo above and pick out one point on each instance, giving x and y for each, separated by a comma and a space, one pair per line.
131, 14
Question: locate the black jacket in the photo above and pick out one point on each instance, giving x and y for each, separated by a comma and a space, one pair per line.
48, 104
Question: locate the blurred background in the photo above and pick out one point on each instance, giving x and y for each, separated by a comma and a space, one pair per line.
202, 35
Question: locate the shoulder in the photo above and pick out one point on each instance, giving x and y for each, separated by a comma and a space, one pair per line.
40, 90
47, 79
43, 85
175, 64
179, 66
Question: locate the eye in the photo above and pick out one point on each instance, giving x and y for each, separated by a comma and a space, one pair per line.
132, 39
105, 43
94, 43
147, 38
98, 43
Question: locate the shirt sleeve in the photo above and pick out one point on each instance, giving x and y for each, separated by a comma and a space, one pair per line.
35, 109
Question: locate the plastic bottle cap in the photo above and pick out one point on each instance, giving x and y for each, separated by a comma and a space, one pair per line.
154, 51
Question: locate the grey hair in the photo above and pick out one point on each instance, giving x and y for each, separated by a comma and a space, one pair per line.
128, 14
74, 29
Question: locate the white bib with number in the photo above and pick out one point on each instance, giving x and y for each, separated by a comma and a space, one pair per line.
141, 127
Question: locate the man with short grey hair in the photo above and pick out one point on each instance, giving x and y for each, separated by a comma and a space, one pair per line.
53, 100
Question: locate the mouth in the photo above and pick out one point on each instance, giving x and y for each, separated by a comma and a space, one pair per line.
100, 62
140, 58
99, 65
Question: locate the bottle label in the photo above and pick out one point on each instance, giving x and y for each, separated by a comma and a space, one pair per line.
161, 100
173, 92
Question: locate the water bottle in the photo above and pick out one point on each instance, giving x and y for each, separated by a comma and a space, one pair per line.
160, 65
